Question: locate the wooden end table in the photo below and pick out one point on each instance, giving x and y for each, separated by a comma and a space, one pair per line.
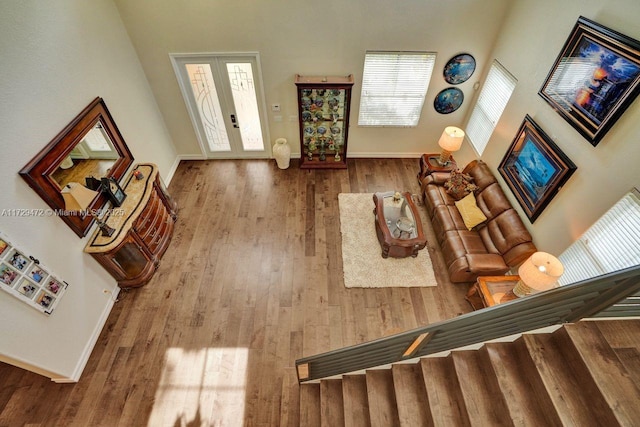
429, 164
398, 225
491, 290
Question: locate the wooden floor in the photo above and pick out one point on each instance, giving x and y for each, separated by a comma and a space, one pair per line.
251, 281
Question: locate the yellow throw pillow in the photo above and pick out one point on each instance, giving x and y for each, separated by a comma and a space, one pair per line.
470, 212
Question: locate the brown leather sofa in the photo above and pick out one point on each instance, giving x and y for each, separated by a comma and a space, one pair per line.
489, 249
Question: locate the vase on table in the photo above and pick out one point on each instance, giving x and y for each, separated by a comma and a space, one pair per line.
282, 153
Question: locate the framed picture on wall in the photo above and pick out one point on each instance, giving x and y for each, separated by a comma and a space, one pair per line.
594, 79
534, 168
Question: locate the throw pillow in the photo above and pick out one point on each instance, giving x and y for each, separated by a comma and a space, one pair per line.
470, 212
459, 185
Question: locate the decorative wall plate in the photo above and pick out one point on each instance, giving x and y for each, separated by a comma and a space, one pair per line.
448, 100
459, 68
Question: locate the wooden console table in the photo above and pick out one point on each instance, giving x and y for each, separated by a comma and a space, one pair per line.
143, 229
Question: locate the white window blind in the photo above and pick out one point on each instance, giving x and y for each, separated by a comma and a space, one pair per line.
394, 85
492, 100
611, 244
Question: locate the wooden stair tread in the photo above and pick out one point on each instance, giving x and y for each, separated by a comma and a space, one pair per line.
356, 405
310, 405
584, 374
331, 403
482, 395
609, 374
621, 333
575, 397
443, 391
411, 396
383, 409
525, 395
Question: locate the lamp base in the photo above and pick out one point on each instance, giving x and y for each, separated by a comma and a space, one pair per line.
443, 160
521, 289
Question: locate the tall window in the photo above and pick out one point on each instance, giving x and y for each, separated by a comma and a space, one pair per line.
394, 85
611, 244
493, 98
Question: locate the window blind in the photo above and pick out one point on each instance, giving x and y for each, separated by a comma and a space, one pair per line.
394, 85
611, 244
492, 101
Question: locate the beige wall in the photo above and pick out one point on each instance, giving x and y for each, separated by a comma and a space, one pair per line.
529, 43
56, 58
313, 38
299, 37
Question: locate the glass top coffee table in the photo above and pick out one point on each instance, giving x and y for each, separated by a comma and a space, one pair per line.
398, 225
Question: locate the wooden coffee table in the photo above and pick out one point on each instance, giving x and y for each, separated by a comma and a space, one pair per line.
398, 225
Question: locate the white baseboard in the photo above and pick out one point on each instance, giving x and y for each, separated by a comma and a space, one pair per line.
384, 155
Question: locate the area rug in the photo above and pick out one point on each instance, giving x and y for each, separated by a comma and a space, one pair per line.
362, 261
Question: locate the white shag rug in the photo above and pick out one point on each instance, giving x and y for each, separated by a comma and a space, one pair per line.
362, 261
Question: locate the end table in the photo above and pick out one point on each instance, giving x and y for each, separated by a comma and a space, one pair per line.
491, 290
429, 164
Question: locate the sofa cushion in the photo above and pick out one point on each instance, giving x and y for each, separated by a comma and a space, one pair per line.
486, 264
481, 174
435, 196
446, 218
459, 243
492, 200
507, 230
470, 212
459, 185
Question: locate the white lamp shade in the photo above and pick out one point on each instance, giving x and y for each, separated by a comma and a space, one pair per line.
541, 271
451, 139
77, 197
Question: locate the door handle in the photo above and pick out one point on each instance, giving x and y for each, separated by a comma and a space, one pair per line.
234, 121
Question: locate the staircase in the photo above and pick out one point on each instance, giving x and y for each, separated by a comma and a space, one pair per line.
583, 374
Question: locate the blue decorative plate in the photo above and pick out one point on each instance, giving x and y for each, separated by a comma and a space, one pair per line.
448, 100
459, 68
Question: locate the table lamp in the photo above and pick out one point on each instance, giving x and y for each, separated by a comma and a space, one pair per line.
538, 273
78, 198
450, 141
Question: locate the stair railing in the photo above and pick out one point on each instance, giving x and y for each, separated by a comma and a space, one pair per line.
565, 304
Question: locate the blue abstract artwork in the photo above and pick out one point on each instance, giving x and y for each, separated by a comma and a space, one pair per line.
594, 79
534, 168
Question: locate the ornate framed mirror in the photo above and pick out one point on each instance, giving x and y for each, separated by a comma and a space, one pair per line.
90, 146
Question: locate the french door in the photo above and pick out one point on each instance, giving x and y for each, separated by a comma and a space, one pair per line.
224, 97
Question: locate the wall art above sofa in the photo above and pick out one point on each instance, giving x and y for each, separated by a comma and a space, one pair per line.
534, 168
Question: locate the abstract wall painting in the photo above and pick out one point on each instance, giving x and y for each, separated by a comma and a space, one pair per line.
594, 79
534, 168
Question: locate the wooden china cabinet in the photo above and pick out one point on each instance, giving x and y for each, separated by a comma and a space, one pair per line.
323, 111
143, 228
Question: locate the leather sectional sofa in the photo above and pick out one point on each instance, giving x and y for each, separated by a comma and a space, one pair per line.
489, 249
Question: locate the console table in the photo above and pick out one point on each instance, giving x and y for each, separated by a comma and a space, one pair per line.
143, 229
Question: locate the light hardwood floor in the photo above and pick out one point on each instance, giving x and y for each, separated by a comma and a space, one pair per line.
252, 281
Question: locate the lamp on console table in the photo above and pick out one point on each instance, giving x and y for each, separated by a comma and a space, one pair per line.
78, 198
450, 141
538, 273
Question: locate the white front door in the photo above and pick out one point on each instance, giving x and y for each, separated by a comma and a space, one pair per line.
224, 97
